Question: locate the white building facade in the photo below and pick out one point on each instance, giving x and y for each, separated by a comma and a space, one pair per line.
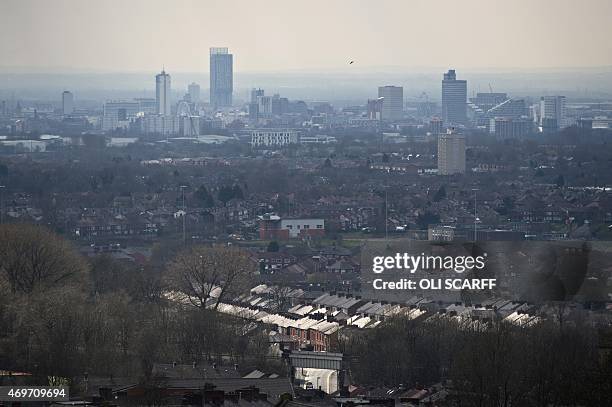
451, 153
162, 93
392, 102
273, 138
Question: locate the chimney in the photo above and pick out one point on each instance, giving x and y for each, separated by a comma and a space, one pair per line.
194, 364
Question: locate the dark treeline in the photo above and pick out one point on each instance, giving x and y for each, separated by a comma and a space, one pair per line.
67, 316
548, 364
62, 315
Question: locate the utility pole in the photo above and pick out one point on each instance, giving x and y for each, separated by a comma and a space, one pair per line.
184, 213
475, 218
1, 204
386, 216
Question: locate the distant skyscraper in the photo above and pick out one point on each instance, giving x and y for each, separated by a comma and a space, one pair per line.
264, 106
221, 77
436, 125
374, 108
67, 103
451, 153
194, 92
162, 93
147, 105
392, 103
508, 128
119, 113
552, 112
255, 93
454, 99
486, 101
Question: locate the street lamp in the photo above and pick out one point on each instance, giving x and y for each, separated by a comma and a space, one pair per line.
1, 204
475, 217
184, 213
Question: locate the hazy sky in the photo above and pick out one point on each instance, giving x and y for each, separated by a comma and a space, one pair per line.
277, 35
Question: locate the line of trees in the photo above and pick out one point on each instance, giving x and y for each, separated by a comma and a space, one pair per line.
64, 315
548, 364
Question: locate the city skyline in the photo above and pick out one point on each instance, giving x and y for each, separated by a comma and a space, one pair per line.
576, 37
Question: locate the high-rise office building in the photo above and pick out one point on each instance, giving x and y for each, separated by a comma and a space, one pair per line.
374, 108
454, 99
147, 105
451, 153
119, 114
511, 128
392, 102
486, 101
194, 92
255, 93
264, 106
436, 125
512, 108
254, 103
221, 77
552, 113
162, 93
67, 103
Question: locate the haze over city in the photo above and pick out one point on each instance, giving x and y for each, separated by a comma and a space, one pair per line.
145, 35
306, 203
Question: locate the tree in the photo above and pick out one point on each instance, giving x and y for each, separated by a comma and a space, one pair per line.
273, 246
32, 257
200, 274
204, 197
227, 193
427, 218
560, 181
440, 194
280, 300
237, 192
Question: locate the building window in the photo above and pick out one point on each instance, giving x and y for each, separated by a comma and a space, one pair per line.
319, 226
306, 226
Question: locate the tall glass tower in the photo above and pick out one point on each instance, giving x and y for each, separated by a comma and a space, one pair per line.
454, 99
162, 93
221, 77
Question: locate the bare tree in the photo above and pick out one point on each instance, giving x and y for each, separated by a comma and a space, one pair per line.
281, 299
201, 274
33, 257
